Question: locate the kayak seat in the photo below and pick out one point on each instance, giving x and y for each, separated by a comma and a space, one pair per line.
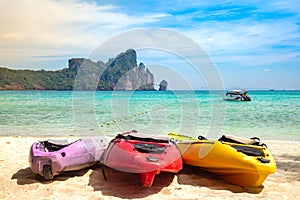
149, 148
234, 139
50, 146
146, 139
249, 151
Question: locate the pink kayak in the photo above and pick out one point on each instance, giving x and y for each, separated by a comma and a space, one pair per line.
49, 158
144, 155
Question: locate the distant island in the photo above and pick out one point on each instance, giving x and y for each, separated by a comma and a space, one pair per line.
119, 73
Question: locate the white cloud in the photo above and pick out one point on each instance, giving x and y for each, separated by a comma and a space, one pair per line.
244, 41
32, 28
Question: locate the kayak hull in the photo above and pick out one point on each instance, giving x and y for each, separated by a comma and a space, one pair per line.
49, 159
230, 160
129, 156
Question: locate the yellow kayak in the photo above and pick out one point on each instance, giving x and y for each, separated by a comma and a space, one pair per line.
247, 165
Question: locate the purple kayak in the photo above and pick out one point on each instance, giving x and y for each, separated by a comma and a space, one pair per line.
49, 158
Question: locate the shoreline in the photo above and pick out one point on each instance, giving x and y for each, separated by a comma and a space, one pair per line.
18, 182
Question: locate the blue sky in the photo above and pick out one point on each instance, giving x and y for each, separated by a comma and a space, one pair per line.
253, 44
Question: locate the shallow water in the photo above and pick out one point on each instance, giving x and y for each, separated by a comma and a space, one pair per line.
270, 115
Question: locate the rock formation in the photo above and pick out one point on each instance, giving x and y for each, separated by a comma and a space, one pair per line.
163, 85
119, 73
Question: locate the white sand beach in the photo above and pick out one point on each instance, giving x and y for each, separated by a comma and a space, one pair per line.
18, 182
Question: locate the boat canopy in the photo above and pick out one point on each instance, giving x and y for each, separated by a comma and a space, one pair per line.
237, 92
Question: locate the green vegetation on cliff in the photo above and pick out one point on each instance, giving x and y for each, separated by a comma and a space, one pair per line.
120, 73
30, 80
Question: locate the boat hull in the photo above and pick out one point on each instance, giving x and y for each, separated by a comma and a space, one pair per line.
146, 158
235, 98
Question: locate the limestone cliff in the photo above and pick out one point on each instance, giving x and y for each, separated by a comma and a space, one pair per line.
123, 73
163, 85
119, 73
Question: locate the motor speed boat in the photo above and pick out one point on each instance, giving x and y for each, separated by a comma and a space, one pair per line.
237, 95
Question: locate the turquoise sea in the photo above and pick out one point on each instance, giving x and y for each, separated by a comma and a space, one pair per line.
270, 115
